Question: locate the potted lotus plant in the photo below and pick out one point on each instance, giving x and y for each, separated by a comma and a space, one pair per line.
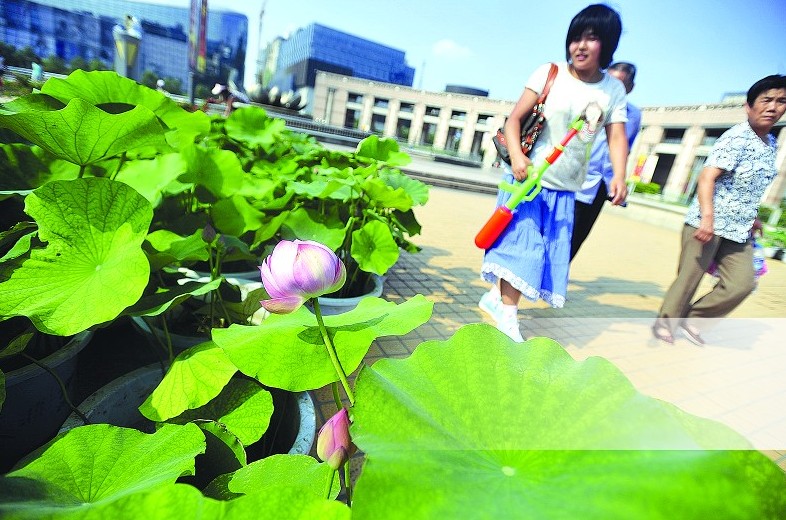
549, 436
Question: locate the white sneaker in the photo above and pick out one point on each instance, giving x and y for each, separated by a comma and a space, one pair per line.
509, 325
491, 305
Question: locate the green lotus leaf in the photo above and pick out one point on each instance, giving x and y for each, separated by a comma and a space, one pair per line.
416, 189
20, 239
374, 248
155, 304
170, 248
323, 187
83, 134
196, 376
152, 177
24, 168
34, 102
92, 266
224, 453
304, 224
219, 171
95, 465
252, 126
107, 87
242, 406
235, 216
384, 196
384, 150
287, 351
298, 471
2, 389
501, 429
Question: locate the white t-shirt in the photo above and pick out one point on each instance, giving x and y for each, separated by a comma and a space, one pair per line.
566, 101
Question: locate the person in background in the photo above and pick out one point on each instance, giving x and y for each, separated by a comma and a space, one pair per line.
532, 255
597, 185
722, 216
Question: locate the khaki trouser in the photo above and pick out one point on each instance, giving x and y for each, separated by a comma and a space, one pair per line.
736, 279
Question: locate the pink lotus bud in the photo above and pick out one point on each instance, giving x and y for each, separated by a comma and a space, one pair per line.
297, 271
333, 443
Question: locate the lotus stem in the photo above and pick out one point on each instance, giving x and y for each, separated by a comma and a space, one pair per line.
60, 383
332, 352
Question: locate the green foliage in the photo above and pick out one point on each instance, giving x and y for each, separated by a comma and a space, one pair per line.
647, 188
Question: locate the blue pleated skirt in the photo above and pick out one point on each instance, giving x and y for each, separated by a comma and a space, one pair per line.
533, 253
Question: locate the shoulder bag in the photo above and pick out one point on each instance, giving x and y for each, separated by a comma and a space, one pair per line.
530, 129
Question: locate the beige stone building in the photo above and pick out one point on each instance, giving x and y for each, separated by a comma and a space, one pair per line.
670, 150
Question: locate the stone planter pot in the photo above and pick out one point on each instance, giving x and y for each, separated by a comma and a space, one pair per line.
331, 306
34, 405
292, 427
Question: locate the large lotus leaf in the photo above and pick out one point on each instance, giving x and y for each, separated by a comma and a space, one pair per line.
384, 150
304, 224
374, 248
167, 502
235, 215
152, 177
217, 170
416, 189
324, 187
252, 126
286, 350
383, 196
93, 265
83, 134
242, 406
298, 471
106, 88
155, 304
481, 427
94, 465
196, 376
17, 240
34, 102
268, 230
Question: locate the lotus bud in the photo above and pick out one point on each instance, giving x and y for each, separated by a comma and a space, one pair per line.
334, 445
298, 271
208, 234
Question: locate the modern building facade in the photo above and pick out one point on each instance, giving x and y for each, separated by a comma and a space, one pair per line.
292, 63
71, 28
670, 149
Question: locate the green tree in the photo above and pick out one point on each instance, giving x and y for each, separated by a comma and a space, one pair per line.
78, 62
55, 64
96, 64
173, 85
149, 79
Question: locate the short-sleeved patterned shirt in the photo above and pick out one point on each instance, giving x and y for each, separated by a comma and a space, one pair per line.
748, 165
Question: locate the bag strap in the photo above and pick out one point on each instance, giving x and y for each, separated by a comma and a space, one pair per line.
549, 80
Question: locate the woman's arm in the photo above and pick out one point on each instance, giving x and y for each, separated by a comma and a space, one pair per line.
617, 140
706, 193
518, 161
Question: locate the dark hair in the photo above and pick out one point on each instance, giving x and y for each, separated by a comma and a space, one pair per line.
605, 22
626, 67
770, 82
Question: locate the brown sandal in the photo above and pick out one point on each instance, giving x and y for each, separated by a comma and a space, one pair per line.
662, 333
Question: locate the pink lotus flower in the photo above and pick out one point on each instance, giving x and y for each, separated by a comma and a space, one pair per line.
333, 443
297, 271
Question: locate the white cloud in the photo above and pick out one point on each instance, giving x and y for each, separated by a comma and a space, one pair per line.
449, 49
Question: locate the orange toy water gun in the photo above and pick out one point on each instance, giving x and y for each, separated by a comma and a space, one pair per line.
531, 186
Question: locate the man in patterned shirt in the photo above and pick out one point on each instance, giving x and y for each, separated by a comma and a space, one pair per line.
738, 170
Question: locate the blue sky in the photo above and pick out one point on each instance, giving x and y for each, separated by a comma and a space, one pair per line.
687, 51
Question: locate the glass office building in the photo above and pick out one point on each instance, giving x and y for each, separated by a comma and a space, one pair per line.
316, 47
71, 28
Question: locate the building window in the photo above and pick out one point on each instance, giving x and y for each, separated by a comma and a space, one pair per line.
454, 139
352, 119
380, 103
484, 119
377, 123
458, 115
711, 135
428, 133
407, 107
402, 128
673, 135
432, 111
355, 98
477, 142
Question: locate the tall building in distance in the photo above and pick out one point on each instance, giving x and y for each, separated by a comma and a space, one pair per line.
83, 28
292, 63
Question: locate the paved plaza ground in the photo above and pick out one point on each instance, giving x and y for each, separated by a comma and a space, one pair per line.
617, 282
